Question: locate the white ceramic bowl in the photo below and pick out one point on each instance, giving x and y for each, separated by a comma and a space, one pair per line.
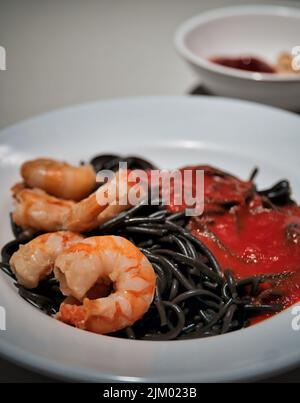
262, 31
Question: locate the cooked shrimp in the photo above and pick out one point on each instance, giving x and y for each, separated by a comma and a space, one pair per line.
59, 178
35, 260
102, 260
36, 210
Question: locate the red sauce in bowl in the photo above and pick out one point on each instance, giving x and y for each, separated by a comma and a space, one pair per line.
248, 63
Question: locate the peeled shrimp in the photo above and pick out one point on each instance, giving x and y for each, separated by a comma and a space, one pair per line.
59, 178
101, 260
35, 260
35, 210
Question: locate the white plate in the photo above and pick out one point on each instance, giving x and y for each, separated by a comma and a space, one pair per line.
171, 131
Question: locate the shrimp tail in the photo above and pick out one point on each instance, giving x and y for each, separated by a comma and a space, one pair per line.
72, 314
83, 216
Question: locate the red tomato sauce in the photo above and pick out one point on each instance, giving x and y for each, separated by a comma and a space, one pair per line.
248, 237
221, 189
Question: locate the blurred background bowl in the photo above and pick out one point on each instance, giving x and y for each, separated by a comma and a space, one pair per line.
261, 31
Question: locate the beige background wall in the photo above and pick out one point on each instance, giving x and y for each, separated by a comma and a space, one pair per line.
62, 52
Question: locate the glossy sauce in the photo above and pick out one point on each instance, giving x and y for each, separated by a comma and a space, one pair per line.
249, 238
248, 63
259, 241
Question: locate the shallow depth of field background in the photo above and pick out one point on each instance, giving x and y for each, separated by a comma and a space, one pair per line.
62, 52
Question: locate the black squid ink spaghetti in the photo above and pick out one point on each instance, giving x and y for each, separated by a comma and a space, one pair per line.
196, 295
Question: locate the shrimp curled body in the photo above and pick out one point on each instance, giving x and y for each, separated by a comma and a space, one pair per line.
35, 210
104, 259
35, 260
59, 178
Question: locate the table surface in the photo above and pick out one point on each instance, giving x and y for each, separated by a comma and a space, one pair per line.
63, 53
